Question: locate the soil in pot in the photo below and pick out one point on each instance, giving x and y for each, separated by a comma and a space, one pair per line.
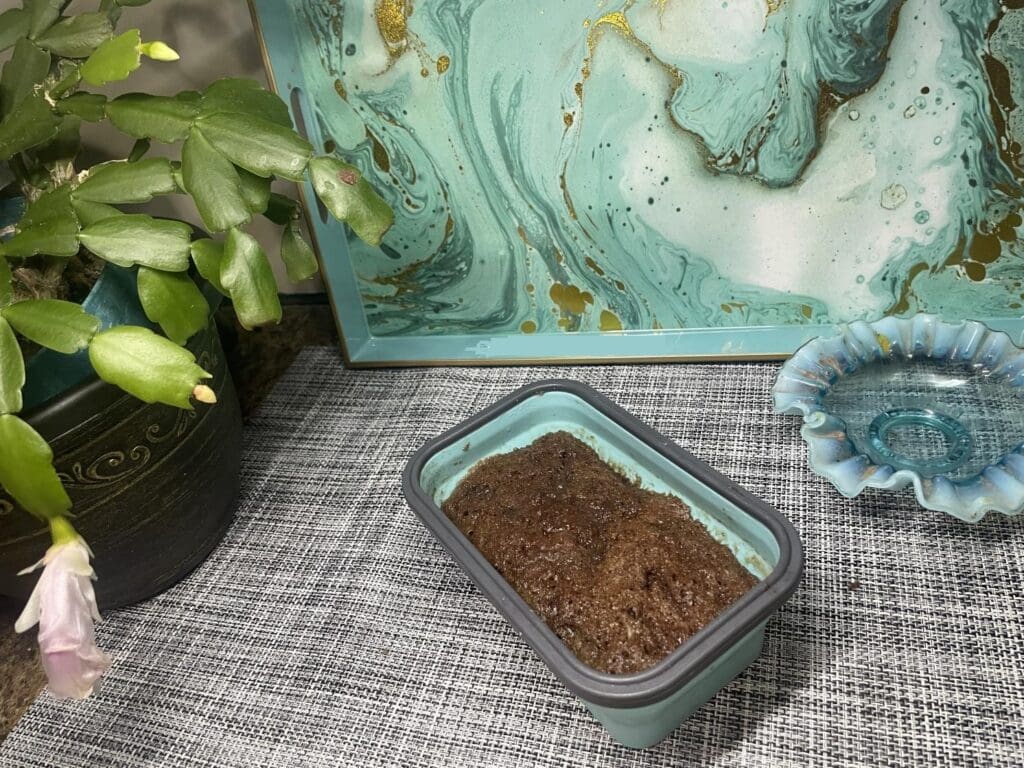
623, 575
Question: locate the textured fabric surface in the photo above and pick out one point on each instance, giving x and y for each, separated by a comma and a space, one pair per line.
329, 629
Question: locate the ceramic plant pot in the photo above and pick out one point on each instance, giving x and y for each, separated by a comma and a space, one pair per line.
153, 488
642, 708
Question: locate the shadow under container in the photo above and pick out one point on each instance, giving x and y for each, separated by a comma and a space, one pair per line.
642, 708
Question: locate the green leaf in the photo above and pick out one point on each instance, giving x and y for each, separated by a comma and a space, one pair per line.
68, 74
246, 96
57, 238
123, 182
112, 9
13, 24
50, 206
48, 227
43, 13
164, 118
247, 275
64, 147
150, 367
26, 469
255, 190
135, 238
54, 239
88, 106
139, 150
298, 257
350, 198
30, 124
132, 3
173, 301
89, 213
77, 36
114, 60
208, 255
265, 148
213, 183
12, 370
62, 326
28, 66
6, 291
281, 209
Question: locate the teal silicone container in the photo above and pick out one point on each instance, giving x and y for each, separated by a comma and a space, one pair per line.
639, 709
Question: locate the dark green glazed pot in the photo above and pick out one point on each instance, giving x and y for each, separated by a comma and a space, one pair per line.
153, 488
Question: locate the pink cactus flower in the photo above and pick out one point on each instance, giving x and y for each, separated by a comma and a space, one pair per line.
64, 604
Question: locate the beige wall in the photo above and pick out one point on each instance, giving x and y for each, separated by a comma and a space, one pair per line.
215, 39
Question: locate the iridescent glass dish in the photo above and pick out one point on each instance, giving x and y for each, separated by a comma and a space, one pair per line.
914, 401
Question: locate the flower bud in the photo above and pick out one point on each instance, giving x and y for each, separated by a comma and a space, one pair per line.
204, 394
159, 51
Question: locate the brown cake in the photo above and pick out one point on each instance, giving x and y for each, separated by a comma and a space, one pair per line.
623, 575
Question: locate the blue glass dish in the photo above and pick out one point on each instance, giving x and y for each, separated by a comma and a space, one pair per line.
914, 401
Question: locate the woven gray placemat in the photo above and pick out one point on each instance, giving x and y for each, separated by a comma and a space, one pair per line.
329, 629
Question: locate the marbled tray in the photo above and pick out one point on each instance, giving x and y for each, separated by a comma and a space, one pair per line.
661, 178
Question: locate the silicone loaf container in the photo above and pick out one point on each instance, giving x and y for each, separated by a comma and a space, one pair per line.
637, 709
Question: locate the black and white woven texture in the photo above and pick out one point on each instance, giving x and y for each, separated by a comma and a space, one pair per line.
329, 629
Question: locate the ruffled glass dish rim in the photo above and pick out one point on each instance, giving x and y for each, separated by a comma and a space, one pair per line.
806, 378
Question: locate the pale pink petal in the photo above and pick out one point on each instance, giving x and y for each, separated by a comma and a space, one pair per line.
74, 674
30, 614
64, 603
35, 566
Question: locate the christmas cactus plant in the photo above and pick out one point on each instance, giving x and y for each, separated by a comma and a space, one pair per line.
233, 139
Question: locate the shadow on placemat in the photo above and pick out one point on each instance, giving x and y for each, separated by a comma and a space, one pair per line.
257, 358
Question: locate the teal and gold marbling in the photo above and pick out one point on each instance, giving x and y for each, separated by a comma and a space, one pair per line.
638, 164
